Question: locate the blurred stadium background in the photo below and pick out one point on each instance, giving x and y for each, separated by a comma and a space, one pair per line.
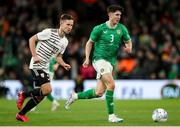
152, 71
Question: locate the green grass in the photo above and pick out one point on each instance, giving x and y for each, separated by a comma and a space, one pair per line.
93, 113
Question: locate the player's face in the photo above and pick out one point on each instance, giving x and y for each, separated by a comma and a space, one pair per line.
115, 17
67, 26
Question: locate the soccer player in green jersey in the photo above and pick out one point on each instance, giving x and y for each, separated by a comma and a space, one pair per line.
53, 66
106, 39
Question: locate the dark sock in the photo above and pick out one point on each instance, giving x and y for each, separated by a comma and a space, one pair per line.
34, 92
29, 105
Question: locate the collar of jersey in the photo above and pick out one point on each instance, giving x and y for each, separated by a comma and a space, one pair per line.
107, 24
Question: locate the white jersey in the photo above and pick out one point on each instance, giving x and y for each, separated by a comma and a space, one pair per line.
49, 44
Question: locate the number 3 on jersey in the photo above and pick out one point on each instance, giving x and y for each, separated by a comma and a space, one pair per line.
112, 37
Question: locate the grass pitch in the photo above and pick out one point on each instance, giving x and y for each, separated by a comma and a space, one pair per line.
93, 113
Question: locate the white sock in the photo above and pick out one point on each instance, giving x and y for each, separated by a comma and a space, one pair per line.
75, 95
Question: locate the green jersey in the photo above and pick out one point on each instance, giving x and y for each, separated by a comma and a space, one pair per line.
107, 40
51, 64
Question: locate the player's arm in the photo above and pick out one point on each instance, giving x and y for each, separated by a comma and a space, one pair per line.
88, 49
32, 46
43, 35
61, 62
128, 46
55, 66
127, 40
93, 38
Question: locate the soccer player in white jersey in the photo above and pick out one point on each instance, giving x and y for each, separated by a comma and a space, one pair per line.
53, 66
50, 42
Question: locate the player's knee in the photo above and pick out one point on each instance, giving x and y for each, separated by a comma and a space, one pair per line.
111, 86
47, 91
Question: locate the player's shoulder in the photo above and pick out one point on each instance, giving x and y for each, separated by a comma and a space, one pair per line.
121, 26
51, 30
100, 26
46, 30
54, 30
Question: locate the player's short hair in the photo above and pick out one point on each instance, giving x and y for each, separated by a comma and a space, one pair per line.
66, 17
114, 8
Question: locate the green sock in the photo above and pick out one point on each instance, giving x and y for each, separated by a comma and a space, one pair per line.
87, 94
50, 97
109, 101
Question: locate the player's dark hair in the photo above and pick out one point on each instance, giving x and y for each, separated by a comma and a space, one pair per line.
66, 17
114, 8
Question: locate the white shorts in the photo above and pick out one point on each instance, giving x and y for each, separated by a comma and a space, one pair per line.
102, 67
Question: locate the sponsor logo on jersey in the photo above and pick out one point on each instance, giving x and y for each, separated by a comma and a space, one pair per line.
105, 31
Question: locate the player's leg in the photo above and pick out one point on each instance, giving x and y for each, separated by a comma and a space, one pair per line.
104, 68
43, 88
110, 84
35, 100
100, 87
50, 97
29, 105
23, 95
55, 103
91, 93
33, 109
40, 77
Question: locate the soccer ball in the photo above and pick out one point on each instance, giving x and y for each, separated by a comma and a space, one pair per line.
159, 115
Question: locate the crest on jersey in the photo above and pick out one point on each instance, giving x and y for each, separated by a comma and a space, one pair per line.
42, 75
118, 31
102, 70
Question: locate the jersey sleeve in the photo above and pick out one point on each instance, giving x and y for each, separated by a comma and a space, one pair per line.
44, 35
95, 33
126, 36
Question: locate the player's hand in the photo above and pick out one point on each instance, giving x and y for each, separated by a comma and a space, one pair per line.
36, 59
127, 49
86, 63
67, 66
